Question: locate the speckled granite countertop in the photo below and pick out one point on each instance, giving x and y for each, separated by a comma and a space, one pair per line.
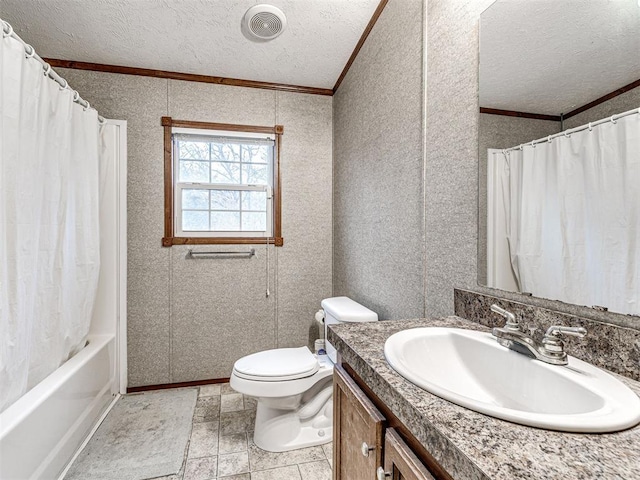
471, 445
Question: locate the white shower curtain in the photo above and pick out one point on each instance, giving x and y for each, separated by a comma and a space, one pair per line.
574, 218
49, 233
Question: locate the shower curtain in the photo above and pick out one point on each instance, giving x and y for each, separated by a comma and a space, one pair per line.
49, 232
573, 216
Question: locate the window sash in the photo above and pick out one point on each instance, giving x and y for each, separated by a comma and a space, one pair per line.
240, 139
179, 187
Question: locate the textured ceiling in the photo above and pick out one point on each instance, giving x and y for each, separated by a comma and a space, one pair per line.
196, 36
552, 56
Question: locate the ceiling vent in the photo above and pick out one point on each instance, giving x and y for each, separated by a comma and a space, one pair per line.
263, 23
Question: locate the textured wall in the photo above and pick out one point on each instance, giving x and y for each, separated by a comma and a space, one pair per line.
499, 131
378, 231
451, 187
191, 319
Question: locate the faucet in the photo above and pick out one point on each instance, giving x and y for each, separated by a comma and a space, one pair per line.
550, 350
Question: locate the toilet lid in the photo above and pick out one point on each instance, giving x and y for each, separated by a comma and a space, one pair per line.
278, 364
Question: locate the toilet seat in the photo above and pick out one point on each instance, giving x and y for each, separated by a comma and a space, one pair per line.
280, 364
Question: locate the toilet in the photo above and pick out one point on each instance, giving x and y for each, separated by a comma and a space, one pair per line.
293, 389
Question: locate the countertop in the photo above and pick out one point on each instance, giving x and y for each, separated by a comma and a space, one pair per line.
471, 445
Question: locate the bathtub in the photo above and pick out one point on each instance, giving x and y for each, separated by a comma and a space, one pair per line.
42, 431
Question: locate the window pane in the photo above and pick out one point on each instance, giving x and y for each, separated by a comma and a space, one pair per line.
193, 150
254, 200
195, 199
256, 153
195, 220
225, 221
225, 200
225, 152
255, 174
225, 172
254, 221
194, 172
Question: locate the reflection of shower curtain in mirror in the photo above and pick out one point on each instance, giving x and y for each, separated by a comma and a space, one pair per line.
574, 219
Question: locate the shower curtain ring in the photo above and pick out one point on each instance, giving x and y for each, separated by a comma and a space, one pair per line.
590, 127
549, 139
47, 69
9, 32
76, 95
65, 85
29, 51
568, 135
613, 120
533, 144
87, 107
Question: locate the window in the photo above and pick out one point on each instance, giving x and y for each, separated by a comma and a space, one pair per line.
221, 183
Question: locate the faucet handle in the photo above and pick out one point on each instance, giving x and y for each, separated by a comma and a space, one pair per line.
552, 344
558, 330
512, 323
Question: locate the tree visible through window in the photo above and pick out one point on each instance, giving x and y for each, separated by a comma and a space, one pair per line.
224, 184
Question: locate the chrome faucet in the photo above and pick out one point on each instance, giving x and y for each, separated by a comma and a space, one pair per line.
550, 350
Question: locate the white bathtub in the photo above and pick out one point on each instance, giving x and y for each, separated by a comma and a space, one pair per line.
40, 433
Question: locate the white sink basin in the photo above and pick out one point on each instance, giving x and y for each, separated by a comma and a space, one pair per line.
471, 369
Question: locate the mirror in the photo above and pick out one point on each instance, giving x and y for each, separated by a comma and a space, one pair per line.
546, 67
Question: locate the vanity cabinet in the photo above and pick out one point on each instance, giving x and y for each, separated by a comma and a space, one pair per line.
370, 442
358, 431
400, 463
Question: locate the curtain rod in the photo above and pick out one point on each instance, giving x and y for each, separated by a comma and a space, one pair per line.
30, 52
568, 132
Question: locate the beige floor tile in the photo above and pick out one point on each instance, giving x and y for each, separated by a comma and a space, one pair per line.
232, 402
282, 473
237, 422
209, 390
225, 388
233, 464
315, 470
207, 409
262, 460
242, 476
250, 403
232, 443
328, 451
205, 468
204, 440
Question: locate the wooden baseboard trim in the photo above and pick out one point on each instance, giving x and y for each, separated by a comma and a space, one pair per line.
165, 386
188, 77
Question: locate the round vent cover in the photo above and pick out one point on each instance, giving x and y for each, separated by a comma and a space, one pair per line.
263, 22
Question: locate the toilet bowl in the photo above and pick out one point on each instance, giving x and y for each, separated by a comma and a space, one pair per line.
293, 389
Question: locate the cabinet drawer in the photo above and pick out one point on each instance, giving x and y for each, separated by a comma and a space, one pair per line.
400, 463
357, 433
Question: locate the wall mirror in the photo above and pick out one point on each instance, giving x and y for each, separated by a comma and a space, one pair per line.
559, 151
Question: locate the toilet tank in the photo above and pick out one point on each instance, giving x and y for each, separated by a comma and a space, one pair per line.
343, 310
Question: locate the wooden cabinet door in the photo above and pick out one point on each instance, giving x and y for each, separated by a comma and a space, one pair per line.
400, 463
357, 431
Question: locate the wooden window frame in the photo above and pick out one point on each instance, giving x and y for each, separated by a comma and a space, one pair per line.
169, 238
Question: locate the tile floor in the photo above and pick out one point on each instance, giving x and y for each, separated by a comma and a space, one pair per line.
221, 445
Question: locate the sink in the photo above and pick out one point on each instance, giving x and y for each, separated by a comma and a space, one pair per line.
471, 369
